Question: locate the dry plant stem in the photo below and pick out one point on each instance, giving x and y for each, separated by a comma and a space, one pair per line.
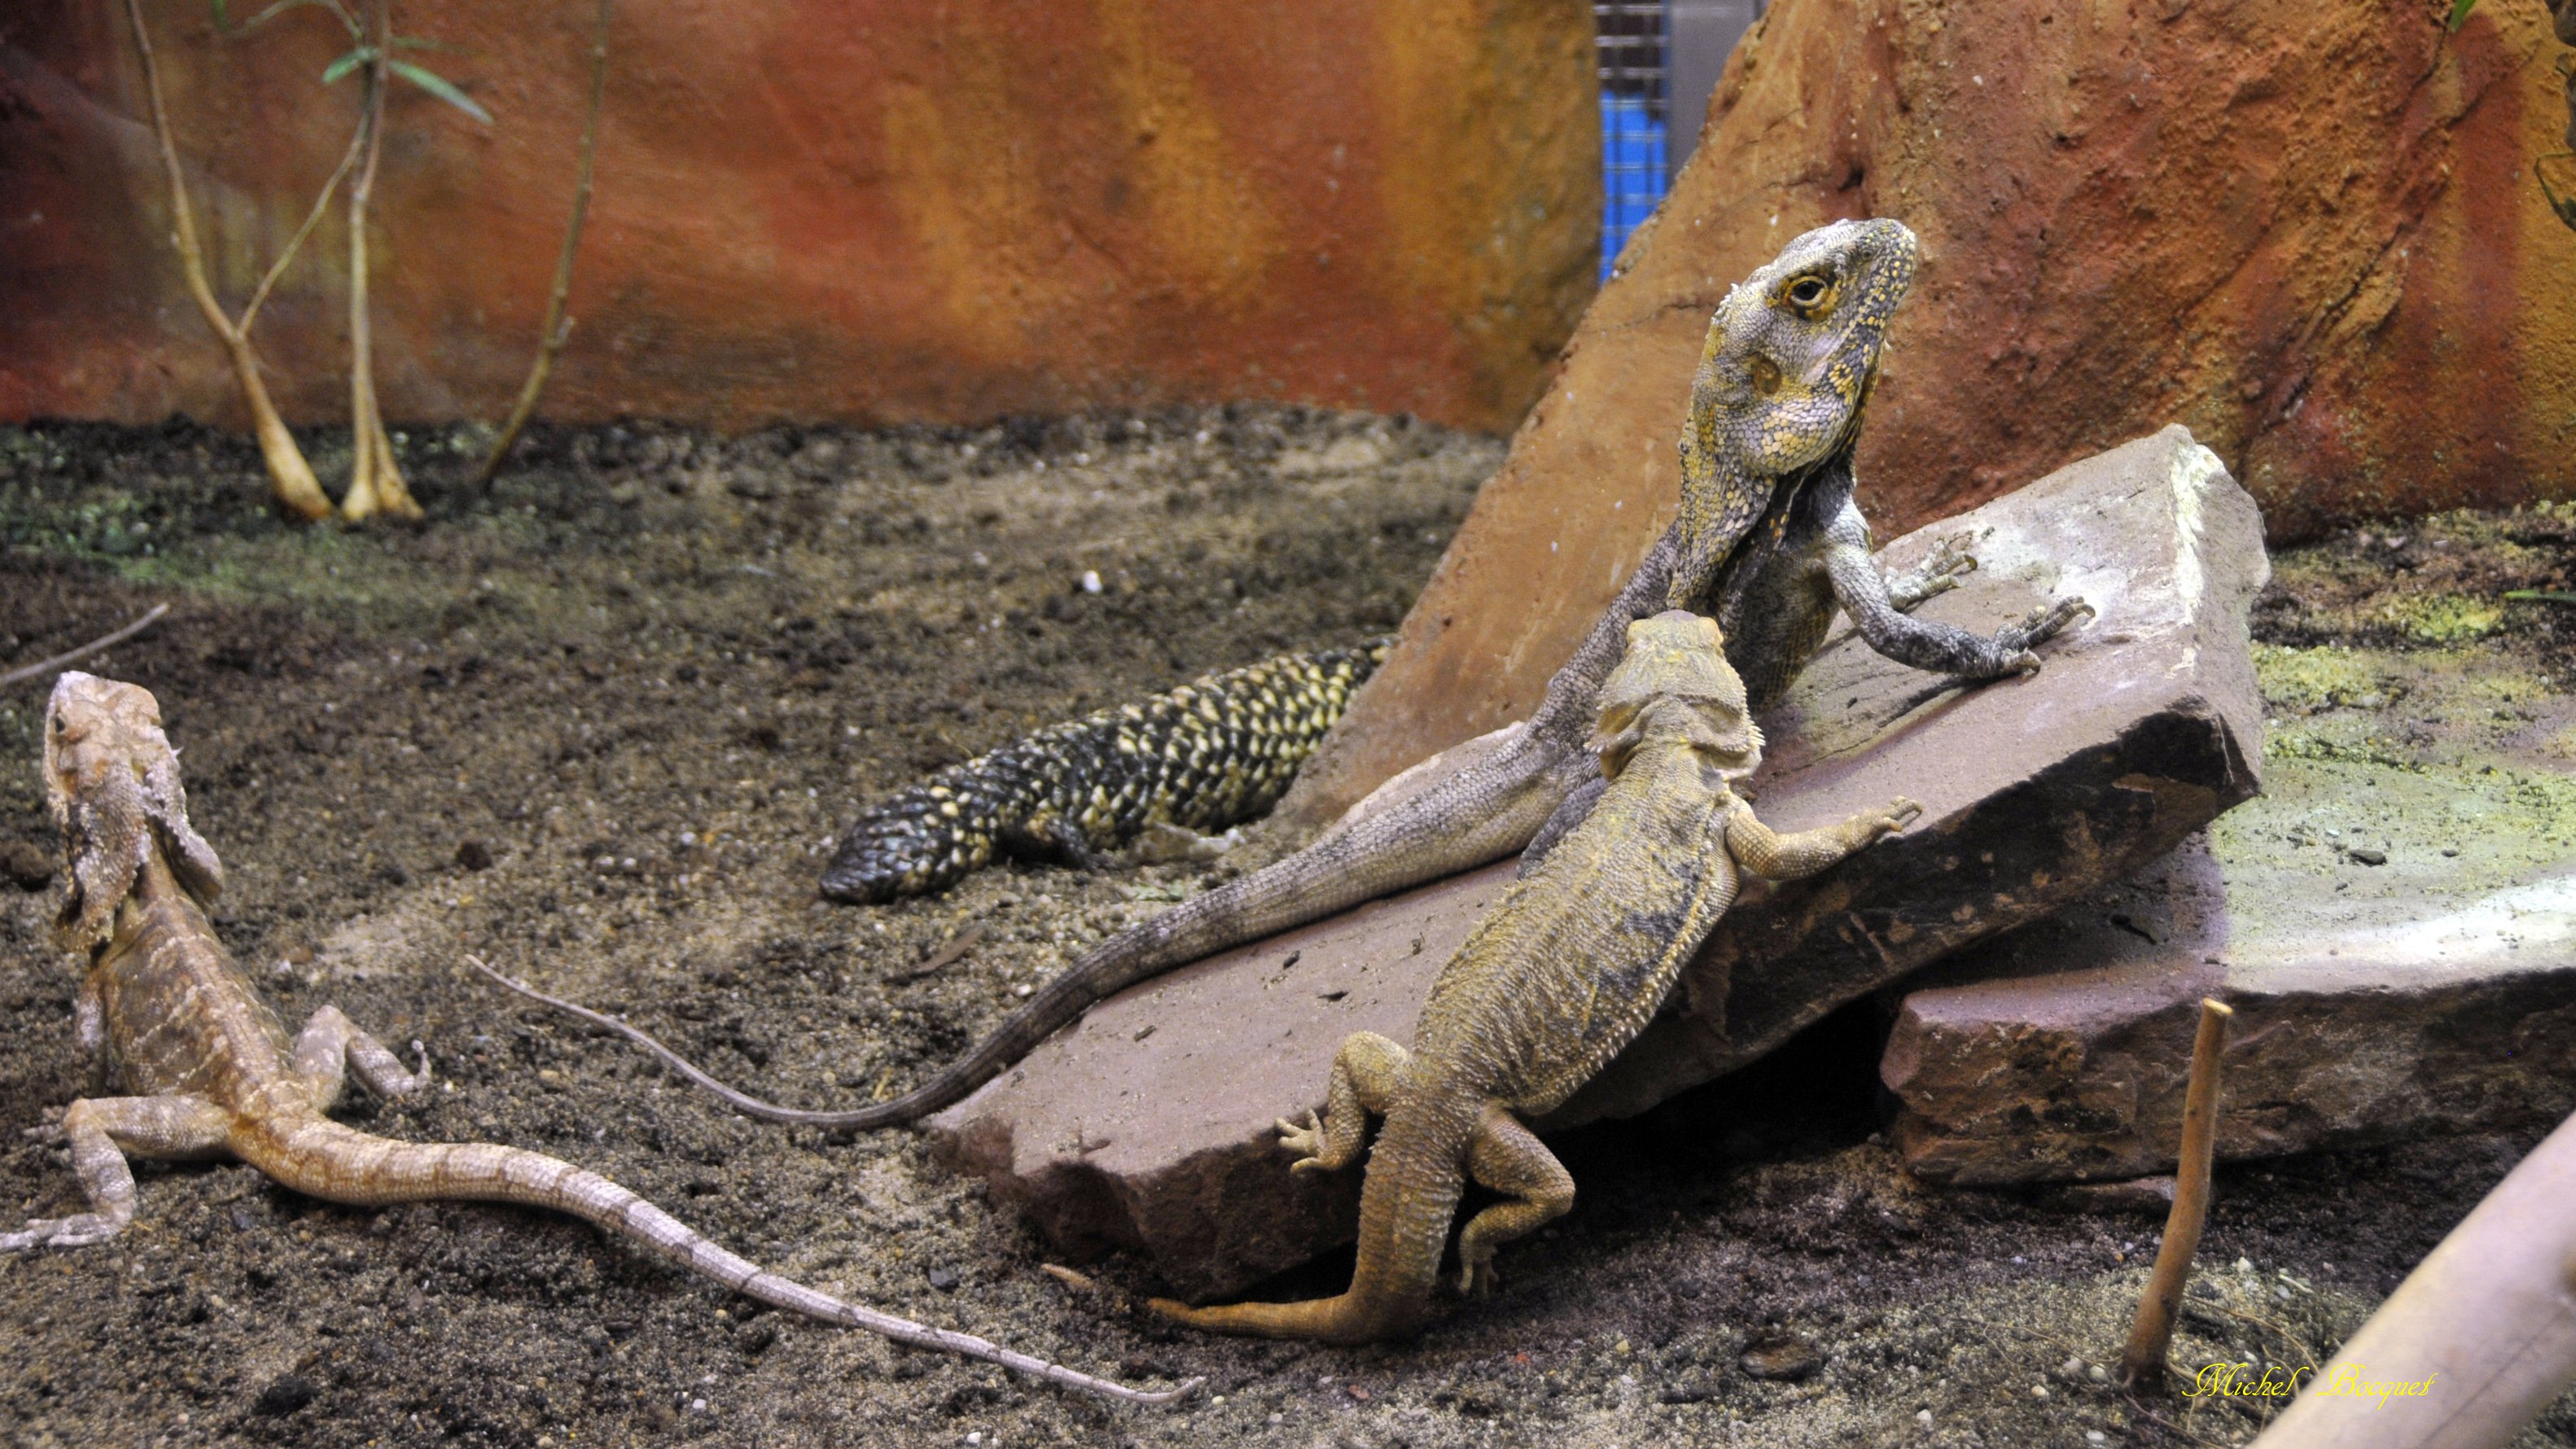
375, 484
46, 668
295, 243
290, 477
2142, 1363
557, 326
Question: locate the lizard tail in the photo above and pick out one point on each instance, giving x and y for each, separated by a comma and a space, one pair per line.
315, 1155
1507, 797
1416, 1173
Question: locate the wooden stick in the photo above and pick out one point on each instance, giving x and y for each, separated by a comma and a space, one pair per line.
75, 656
289, 476
2476, 1342
557, 326
2142, 1363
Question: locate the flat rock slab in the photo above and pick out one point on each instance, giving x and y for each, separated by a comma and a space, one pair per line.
2397, 937
1148, 1125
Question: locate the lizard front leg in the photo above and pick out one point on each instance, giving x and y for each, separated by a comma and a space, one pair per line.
1508, 1157
1928, 644
330, 1044
1367, 1071
102, 1131
1773, 856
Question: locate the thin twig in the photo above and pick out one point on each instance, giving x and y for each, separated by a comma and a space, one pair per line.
75, 656
557, 326
289, 476
2142, 1363
945, 956
321, 204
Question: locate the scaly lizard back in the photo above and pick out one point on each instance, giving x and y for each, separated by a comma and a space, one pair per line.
210, 1069
1563, 974
1210, 754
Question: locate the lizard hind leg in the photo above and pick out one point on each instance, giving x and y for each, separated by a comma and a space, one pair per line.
102, 1131
1368, 1069
1507, 1157
331, 1044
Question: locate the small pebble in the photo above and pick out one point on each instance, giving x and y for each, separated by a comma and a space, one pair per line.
1091, 581
2096, 1436
27, 866
2368, 856
2039, 1391
1923, 1417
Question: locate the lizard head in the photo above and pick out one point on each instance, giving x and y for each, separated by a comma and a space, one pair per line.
1674, 685
1793, 351
113, 782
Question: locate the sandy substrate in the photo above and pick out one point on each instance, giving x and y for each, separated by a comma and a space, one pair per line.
601, 726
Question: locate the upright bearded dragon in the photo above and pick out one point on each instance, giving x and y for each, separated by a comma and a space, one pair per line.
1768, 540
212, 1070
1564, 973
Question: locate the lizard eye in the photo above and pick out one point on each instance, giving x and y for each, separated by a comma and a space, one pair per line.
1810, 293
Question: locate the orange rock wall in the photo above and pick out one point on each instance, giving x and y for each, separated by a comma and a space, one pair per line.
868, 210
2308, 232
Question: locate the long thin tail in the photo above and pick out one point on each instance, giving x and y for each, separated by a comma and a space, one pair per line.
1478, 817
321, 1157
1415, 1175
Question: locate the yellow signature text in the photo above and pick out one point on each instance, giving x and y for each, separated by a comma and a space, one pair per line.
2343, 1381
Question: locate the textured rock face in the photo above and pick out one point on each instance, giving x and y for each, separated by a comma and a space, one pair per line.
1148, 1125
2309, 233
830, 209
2414, 974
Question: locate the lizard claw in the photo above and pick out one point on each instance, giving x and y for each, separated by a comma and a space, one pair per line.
2041, 625
76, 1232
1478, 1279
1939, 573
1900, 813
1305, 1139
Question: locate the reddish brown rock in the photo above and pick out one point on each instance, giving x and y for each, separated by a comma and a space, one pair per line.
829, 209
1148, 1124
2401, 980
2308, 232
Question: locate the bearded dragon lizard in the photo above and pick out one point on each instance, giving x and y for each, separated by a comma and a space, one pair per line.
212, 1071
1768, 540
1564, 973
